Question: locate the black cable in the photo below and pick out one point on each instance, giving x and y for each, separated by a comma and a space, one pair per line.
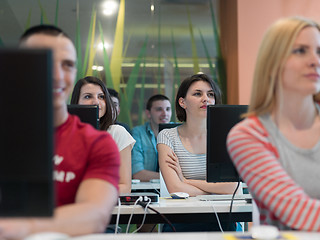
143, 204
231, 204
153, 227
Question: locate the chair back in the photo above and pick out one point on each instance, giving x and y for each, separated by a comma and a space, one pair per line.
163, 187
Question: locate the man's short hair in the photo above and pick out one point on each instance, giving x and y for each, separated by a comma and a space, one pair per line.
154, 98
46, 29
114, 93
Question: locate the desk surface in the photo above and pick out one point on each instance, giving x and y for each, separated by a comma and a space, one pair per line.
190, 205
145, 186
186, 210
184, 236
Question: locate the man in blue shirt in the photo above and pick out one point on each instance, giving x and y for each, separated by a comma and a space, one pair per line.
145, 164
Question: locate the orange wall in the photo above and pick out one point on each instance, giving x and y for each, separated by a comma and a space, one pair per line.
254, 17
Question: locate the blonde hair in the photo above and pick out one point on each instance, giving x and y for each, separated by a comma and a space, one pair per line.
274, 50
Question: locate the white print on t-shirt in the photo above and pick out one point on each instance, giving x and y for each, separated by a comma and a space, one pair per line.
57, 159
61, 176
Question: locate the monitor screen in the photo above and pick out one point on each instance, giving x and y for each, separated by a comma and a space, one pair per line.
168, 125
220, 119
86, 113
26, 123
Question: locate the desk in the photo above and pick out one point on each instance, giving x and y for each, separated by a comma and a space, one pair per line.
145, 186
181, 236
186, 211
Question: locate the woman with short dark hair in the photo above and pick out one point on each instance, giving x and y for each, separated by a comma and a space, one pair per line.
182, 150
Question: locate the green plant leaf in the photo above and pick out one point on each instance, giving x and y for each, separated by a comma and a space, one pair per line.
159, 51
142, 92
78, 45
1, 42
57, 11
177, 76
116, 57
44, 18
86, 56
92, 51
220, 65
131, 84
125, 113
212, 70
28, 20
127, 44
106, 63
195, 58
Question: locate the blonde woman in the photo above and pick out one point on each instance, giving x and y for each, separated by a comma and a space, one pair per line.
276, 149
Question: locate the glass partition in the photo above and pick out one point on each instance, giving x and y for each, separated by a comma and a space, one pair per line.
138, 47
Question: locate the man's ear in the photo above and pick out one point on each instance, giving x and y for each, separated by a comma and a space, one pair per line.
148, 114
182, 103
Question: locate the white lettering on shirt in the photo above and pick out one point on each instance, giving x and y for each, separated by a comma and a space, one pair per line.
58, 176
62, 176
70, 176
57, 159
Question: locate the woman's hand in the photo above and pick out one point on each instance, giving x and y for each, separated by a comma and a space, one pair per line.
15, 228
173, 162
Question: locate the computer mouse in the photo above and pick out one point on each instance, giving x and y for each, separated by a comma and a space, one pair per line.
47, 236
179, 195
264, 232
155, 180
135, 181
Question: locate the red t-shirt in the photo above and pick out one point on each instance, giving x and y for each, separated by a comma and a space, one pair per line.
82, 152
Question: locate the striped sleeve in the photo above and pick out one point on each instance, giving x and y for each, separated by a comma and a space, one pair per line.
165, 137
280, 198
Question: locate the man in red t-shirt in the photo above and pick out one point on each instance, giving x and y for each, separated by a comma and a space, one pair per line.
86, 161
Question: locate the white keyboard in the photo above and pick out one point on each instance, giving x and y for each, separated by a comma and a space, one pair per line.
224, 197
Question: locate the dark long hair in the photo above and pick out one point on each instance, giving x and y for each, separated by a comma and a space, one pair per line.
110, 116
184, 87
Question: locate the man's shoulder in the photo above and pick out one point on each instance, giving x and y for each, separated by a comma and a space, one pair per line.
83, 130
140, 128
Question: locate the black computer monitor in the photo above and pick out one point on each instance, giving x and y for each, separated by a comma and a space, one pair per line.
168, 125
86, 113
220, 119
26, 133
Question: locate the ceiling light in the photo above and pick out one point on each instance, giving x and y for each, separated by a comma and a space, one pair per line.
109, 7
99, 68
106, 46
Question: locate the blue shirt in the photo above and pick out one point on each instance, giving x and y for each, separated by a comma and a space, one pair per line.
144, 155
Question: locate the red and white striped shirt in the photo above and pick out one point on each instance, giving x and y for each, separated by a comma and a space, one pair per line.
281, 200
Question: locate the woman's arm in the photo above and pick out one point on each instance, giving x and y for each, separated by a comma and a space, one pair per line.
125, 170
217, 188
173, 179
